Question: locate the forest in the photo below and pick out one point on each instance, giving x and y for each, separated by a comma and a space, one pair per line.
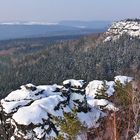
46, 61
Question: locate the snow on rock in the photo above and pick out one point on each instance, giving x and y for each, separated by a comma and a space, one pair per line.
26, 95
123, 79
101, 103
110, 88
39, 132
130, 27
27, 92
137, 136
74, 83
39, 110
90, 119
92, 87
12, 106
95, 86
49, 90
22, 116
32, 110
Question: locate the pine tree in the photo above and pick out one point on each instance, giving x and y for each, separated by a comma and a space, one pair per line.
70, 126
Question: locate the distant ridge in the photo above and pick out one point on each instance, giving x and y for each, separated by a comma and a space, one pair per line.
18, 29
28, 23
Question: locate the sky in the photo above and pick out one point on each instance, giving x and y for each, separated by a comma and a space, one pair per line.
58, 10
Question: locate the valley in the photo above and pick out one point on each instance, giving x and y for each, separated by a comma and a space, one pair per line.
41, 76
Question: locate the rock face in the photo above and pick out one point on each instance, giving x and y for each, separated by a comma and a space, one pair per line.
130, 27
31, 111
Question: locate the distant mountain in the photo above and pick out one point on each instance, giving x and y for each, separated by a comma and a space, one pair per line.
87, 24
13, 30
27, 23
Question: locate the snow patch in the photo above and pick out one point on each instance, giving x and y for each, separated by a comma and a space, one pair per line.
123, 79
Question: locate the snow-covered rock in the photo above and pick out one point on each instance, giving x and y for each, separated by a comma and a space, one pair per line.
95, 86
130, 27
137, 136
123, 79
74, 83
31, 111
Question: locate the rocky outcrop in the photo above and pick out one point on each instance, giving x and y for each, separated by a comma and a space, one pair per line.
32, 112
130, 27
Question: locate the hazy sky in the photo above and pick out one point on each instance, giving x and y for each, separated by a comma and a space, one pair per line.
56, 10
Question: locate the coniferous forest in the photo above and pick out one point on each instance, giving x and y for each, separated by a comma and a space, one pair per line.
52, 60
